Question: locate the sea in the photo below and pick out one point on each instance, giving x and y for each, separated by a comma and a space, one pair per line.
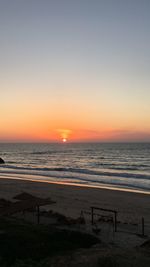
121, 166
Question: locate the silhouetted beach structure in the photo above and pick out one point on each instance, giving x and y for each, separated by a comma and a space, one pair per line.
2, 161
26, 202
106, 217
26, 197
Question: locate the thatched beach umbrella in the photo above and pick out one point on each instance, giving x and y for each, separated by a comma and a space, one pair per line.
25, 196
31, 201
26, 202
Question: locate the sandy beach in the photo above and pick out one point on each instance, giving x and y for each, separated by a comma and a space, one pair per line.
71, 200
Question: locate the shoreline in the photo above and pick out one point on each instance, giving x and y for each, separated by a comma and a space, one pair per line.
42, 179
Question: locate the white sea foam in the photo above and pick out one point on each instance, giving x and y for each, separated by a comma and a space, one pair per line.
117, 165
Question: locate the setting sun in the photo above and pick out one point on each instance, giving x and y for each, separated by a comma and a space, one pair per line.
90, 85
64, 134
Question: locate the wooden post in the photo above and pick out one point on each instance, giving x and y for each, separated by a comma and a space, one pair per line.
143, 227
92, 215
38, 214
115, 221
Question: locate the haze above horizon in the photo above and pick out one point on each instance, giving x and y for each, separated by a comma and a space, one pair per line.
75, 71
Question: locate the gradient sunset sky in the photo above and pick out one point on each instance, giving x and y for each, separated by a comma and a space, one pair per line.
76, 69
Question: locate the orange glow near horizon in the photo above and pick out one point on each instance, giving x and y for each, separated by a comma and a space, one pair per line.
46, 129
44, 133
75, 121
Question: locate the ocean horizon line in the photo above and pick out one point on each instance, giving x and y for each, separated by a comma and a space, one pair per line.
74, 142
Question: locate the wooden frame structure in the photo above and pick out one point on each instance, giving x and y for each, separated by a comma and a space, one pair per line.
105, 210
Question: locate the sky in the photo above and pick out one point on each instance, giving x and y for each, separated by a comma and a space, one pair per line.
74, 69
